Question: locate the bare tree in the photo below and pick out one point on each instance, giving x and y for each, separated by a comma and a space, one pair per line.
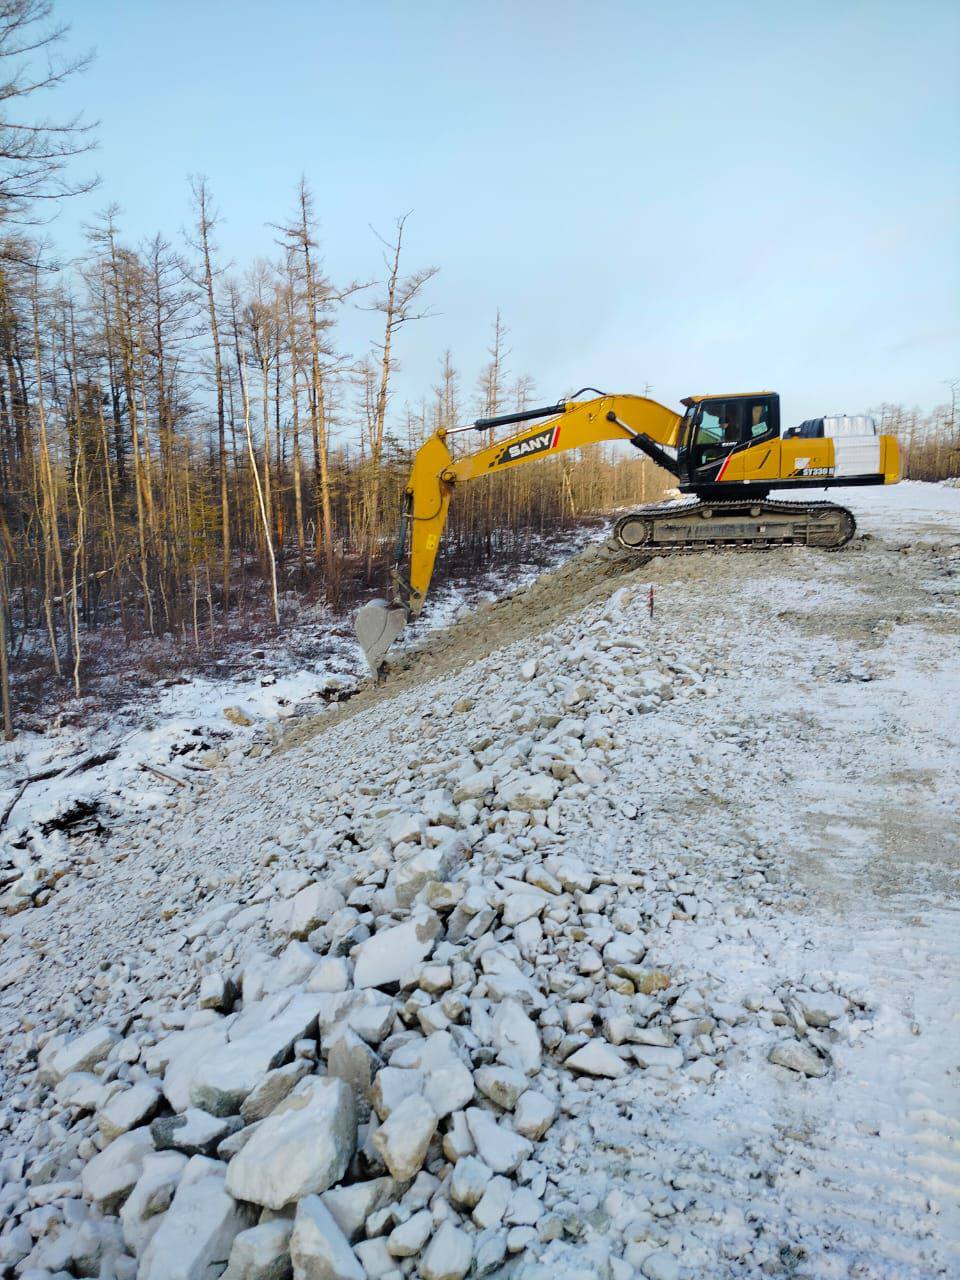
492, 383
206, 221
318, 297
294, 346
4, 638
396, 304
35, 155
252, 457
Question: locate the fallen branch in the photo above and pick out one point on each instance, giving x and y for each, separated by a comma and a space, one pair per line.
91, 761
167, 777
43, 775
88, 762
10, 807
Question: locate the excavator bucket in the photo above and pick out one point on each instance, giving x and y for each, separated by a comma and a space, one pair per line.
377, 625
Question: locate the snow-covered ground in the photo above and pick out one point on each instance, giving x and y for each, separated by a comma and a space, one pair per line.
643, 927
86, 774
909, 510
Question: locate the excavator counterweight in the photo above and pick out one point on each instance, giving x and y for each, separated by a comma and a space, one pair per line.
727, 451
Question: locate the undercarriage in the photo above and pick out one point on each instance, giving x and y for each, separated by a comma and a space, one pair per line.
750, 523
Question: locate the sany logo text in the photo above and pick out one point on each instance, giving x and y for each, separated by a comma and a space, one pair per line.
539, 443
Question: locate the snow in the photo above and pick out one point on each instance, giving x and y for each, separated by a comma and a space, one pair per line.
788, 808
912, 509
164, 737
170, 729
178, 726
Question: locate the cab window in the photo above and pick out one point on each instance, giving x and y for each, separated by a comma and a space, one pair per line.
710, 429
759, 421
728, 423
715, 433
721, 424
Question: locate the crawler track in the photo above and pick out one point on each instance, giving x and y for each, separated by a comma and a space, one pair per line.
750, 525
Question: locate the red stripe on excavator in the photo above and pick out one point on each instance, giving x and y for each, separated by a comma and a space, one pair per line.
724, 467
556, 436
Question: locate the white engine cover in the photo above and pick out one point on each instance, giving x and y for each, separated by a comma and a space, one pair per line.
856, 456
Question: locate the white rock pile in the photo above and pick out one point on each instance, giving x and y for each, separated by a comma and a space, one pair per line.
362, 1077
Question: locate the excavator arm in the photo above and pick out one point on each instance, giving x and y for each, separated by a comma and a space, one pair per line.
435, 474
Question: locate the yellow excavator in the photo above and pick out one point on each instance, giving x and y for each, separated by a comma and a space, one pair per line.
726, 450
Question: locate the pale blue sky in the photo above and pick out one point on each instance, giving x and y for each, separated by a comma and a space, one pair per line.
699, 195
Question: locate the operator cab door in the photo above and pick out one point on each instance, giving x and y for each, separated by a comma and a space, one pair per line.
717, 431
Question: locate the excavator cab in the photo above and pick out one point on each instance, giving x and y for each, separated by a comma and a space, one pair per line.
716, 428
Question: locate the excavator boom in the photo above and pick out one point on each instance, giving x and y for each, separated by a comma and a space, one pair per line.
435, 473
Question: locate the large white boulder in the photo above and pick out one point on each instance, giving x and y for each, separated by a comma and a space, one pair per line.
497, 1146
406, 828
409, 1237
377, 1261
302, 1147
307, 910
516, 1038
822, 1008
404, 1137
492, 1206
490, 1249
800, 1057
197, 1231
534, 1114
290, 969
469, 1181
625, 948
597, 1059
216, 992
388, 955
525, 1209
474, 786
149, 1200
82, 1090
448, 1087
448, 1255
528, 792
413, 873
211, 921
223, 1081
392, 1085
352, 1206
526, 904
110, 1176
181, 1055
318, 1248
660, 1265
572, 873
352, 1060
661, 1058
128, 1109
194, 1132
332, 974
273, 1088
502, 1085
438, 808
261, 1252
373, 1021
83, 1052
